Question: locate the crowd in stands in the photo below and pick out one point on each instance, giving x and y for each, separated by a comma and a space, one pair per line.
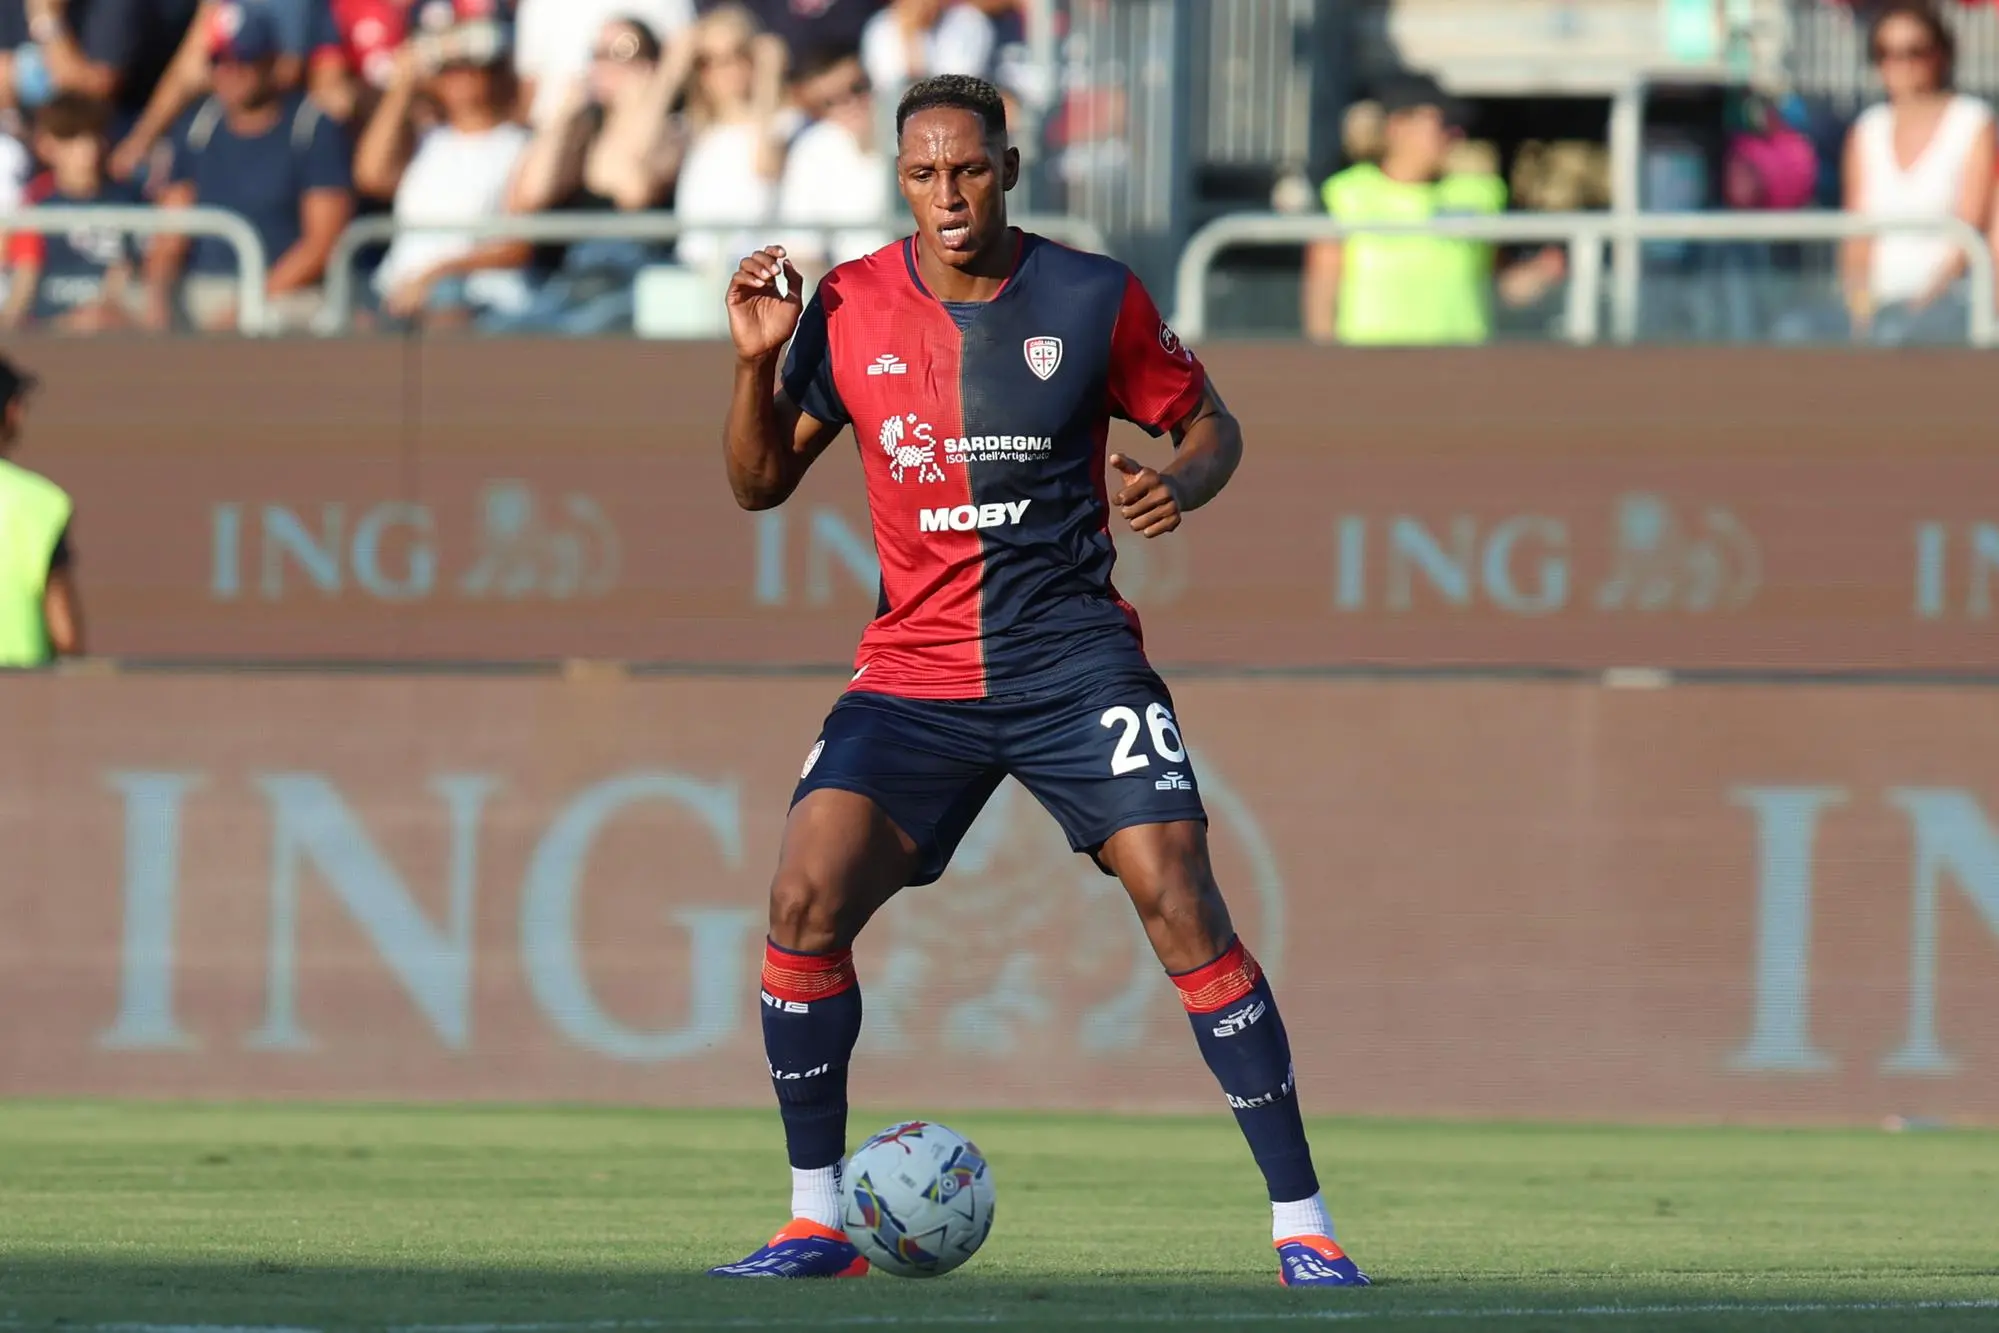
752, 119
736, 116
1924, 151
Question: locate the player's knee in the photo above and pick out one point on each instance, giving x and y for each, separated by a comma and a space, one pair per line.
805, 915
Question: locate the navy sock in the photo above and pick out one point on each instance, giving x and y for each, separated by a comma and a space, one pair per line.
1242, 1039
812, 1018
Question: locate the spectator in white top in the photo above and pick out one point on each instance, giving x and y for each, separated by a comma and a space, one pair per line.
915, 39
608, 146
836, 174
554, 41
728, 174
460, 170
1926, 152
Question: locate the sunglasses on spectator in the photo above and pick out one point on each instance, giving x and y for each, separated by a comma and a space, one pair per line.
1884, 55
620, 50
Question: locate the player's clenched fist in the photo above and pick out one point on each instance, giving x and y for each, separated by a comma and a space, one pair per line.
765, 300
1148, 501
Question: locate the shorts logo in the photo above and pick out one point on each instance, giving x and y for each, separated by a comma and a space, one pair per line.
1169, 342
1044, 356
1173, 782
817, 750
910, 446
967, 518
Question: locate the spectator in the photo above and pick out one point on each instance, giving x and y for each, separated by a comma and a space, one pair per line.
41, 614
728, 176
113, 50
78, 281
370, 32
309, 55
1411, 289
1925, 152
809, 25
555, 39
276, 158
914, 39
835, 173
459, 170
607, 146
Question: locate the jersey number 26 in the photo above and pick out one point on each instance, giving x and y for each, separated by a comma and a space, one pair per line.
1165, 737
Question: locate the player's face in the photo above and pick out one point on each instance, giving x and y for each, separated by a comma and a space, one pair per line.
955, 181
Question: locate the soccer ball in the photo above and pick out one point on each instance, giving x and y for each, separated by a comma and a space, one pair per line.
917, 1199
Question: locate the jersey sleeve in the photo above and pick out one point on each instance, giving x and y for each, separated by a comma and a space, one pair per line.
1155, 379
808, 368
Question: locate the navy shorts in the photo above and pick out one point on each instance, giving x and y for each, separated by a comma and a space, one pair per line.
1101, 755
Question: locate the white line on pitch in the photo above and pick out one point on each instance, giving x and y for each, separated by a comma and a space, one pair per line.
1346, 1315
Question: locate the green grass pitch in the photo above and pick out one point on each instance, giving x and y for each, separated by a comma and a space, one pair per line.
579, 1221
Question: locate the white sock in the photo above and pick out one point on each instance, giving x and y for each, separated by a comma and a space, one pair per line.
815, 1195
1307, 1217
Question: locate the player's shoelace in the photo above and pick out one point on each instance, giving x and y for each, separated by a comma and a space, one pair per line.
1313, 1262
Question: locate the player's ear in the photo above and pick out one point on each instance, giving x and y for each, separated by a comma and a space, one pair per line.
1010, 173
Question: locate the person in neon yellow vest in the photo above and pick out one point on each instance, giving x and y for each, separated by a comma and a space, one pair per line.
1406, 290
41, 615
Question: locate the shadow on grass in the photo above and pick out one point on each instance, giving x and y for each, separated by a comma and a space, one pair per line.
269, 1293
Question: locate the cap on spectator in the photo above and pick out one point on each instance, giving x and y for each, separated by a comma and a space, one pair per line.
244, 34
15, 382
442, 15
1411, 92
467, 32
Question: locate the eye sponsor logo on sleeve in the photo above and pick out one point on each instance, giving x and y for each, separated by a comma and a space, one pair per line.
1044, 356
888, 363
1170, 343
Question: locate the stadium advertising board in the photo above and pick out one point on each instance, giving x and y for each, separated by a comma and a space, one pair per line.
1521, 506
1494, 899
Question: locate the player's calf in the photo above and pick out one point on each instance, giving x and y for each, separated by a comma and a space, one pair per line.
1242, 1038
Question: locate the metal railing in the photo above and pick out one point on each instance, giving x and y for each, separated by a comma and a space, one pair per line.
252, 264
1586, 235
566, 228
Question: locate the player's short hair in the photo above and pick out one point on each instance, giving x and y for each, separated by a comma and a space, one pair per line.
958, 92
74, 116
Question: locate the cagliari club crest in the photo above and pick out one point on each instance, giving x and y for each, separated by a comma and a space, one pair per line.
1044, 355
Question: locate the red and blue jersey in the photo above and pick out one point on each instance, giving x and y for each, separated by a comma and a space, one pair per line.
982, 432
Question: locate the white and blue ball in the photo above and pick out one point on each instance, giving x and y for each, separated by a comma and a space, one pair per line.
917, 1199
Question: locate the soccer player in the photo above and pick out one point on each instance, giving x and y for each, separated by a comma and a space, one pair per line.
979, 368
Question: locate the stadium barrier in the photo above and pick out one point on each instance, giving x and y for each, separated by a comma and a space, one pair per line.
1750, 902
432, 501
565, 228
253, 265
1586, 235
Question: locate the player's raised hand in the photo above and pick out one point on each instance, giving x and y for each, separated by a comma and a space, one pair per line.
766, 297
1148, 501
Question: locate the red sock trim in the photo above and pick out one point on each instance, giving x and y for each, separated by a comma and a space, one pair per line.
804, 977
1221, 983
